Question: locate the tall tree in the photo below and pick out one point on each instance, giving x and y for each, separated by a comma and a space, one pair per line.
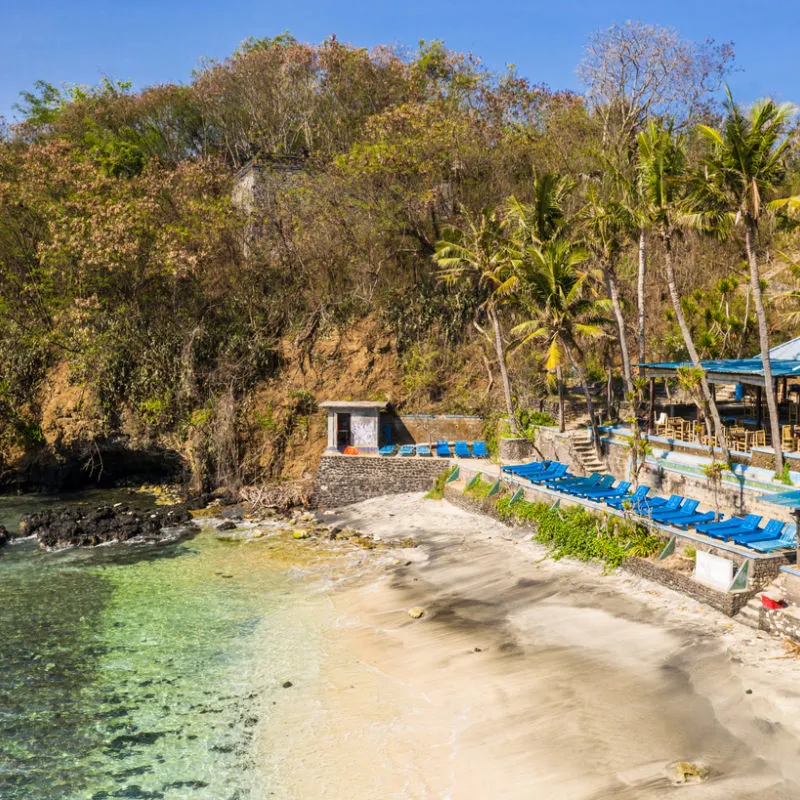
556, 297
478, 254
740, 185
663, 178
607, 226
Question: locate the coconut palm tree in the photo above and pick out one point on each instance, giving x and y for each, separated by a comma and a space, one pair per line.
607, 226
738, 187
557, 298
544, 218
478, 254
663, 182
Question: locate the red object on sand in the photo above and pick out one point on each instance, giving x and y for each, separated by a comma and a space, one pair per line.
768, 602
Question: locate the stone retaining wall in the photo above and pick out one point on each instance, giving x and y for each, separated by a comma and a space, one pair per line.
516, 450
779, 622
342, 480
729, 603
414, 428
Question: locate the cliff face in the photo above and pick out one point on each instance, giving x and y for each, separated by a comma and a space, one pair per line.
275, 432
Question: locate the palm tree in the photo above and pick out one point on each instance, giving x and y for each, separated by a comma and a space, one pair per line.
607, 225
663, 182
738, 186
544, 218
479, 255
556, 296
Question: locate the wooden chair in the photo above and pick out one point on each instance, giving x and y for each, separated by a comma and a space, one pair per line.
759, 438
787, 438
662, 424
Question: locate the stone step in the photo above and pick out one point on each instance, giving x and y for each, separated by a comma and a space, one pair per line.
751, 613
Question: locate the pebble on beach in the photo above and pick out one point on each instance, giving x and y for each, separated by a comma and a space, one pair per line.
416, 612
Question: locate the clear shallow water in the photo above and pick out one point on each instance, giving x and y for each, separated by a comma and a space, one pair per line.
139, 672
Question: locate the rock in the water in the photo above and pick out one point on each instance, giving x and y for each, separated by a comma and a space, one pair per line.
80, 526
228, 525
416, 612
5, 536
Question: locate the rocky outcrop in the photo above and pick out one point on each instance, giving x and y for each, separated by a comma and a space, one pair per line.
76, 526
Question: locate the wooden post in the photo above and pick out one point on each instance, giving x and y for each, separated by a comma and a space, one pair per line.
759, 415
651, 409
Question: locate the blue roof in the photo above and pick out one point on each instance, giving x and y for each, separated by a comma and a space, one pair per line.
781, 368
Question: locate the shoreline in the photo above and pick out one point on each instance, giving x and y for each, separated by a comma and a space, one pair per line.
524, 678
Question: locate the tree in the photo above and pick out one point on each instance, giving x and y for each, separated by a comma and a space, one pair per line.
663, 178
556, 297
607, 226
479, 254
635, 71
739, 186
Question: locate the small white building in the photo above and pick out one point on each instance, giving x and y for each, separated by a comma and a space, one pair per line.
353, 423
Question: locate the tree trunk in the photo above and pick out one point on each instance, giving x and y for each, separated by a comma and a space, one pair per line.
560, 382
577, 365
640, 296
613, 293
689, 342
501, 360
763, 339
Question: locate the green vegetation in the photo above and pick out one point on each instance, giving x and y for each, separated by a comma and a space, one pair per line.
437, 490
479, 489
577, 533
175, 262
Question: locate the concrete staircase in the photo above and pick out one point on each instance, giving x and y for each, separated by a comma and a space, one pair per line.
587, 455
750, 614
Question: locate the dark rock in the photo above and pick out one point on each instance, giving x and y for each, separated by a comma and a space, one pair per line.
79, 526
232, 513
228, 525
287, 684
5, 536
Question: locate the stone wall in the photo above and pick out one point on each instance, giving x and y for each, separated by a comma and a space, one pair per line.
557, 446
342, 480
413, 428
781, 622
729, 603
516, 450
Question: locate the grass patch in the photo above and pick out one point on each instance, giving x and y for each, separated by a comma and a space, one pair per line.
480, 489
584, 535
437, 490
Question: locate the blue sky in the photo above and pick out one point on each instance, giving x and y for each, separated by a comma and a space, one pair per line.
153, 41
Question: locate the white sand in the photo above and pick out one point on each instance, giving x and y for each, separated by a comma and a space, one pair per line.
525, 679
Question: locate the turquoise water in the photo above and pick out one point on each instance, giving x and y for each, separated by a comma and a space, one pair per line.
138, 671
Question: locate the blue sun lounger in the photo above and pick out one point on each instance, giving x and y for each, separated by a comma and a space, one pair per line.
787, 539
387, 450
684, 521
406, 450
772, 530
530, 467
423, 450
663, 515
726, 529
552, 472
443, 449
566, 484
462, 450
479, 450
647, 506
620, 490
632, 499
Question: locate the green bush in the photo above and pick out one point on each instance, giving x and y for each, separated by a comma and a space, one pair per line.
581, 534
437, 490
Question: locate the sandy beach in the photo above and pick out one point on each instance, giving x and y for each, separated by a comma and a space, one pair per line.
525, 678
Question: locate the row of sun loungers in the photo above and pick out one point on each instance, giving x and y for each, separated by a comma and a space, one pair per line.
675, 511
442, 449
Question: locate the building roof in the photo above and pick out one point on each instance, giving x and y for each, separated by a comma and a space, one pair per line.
784, 361
337, 404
